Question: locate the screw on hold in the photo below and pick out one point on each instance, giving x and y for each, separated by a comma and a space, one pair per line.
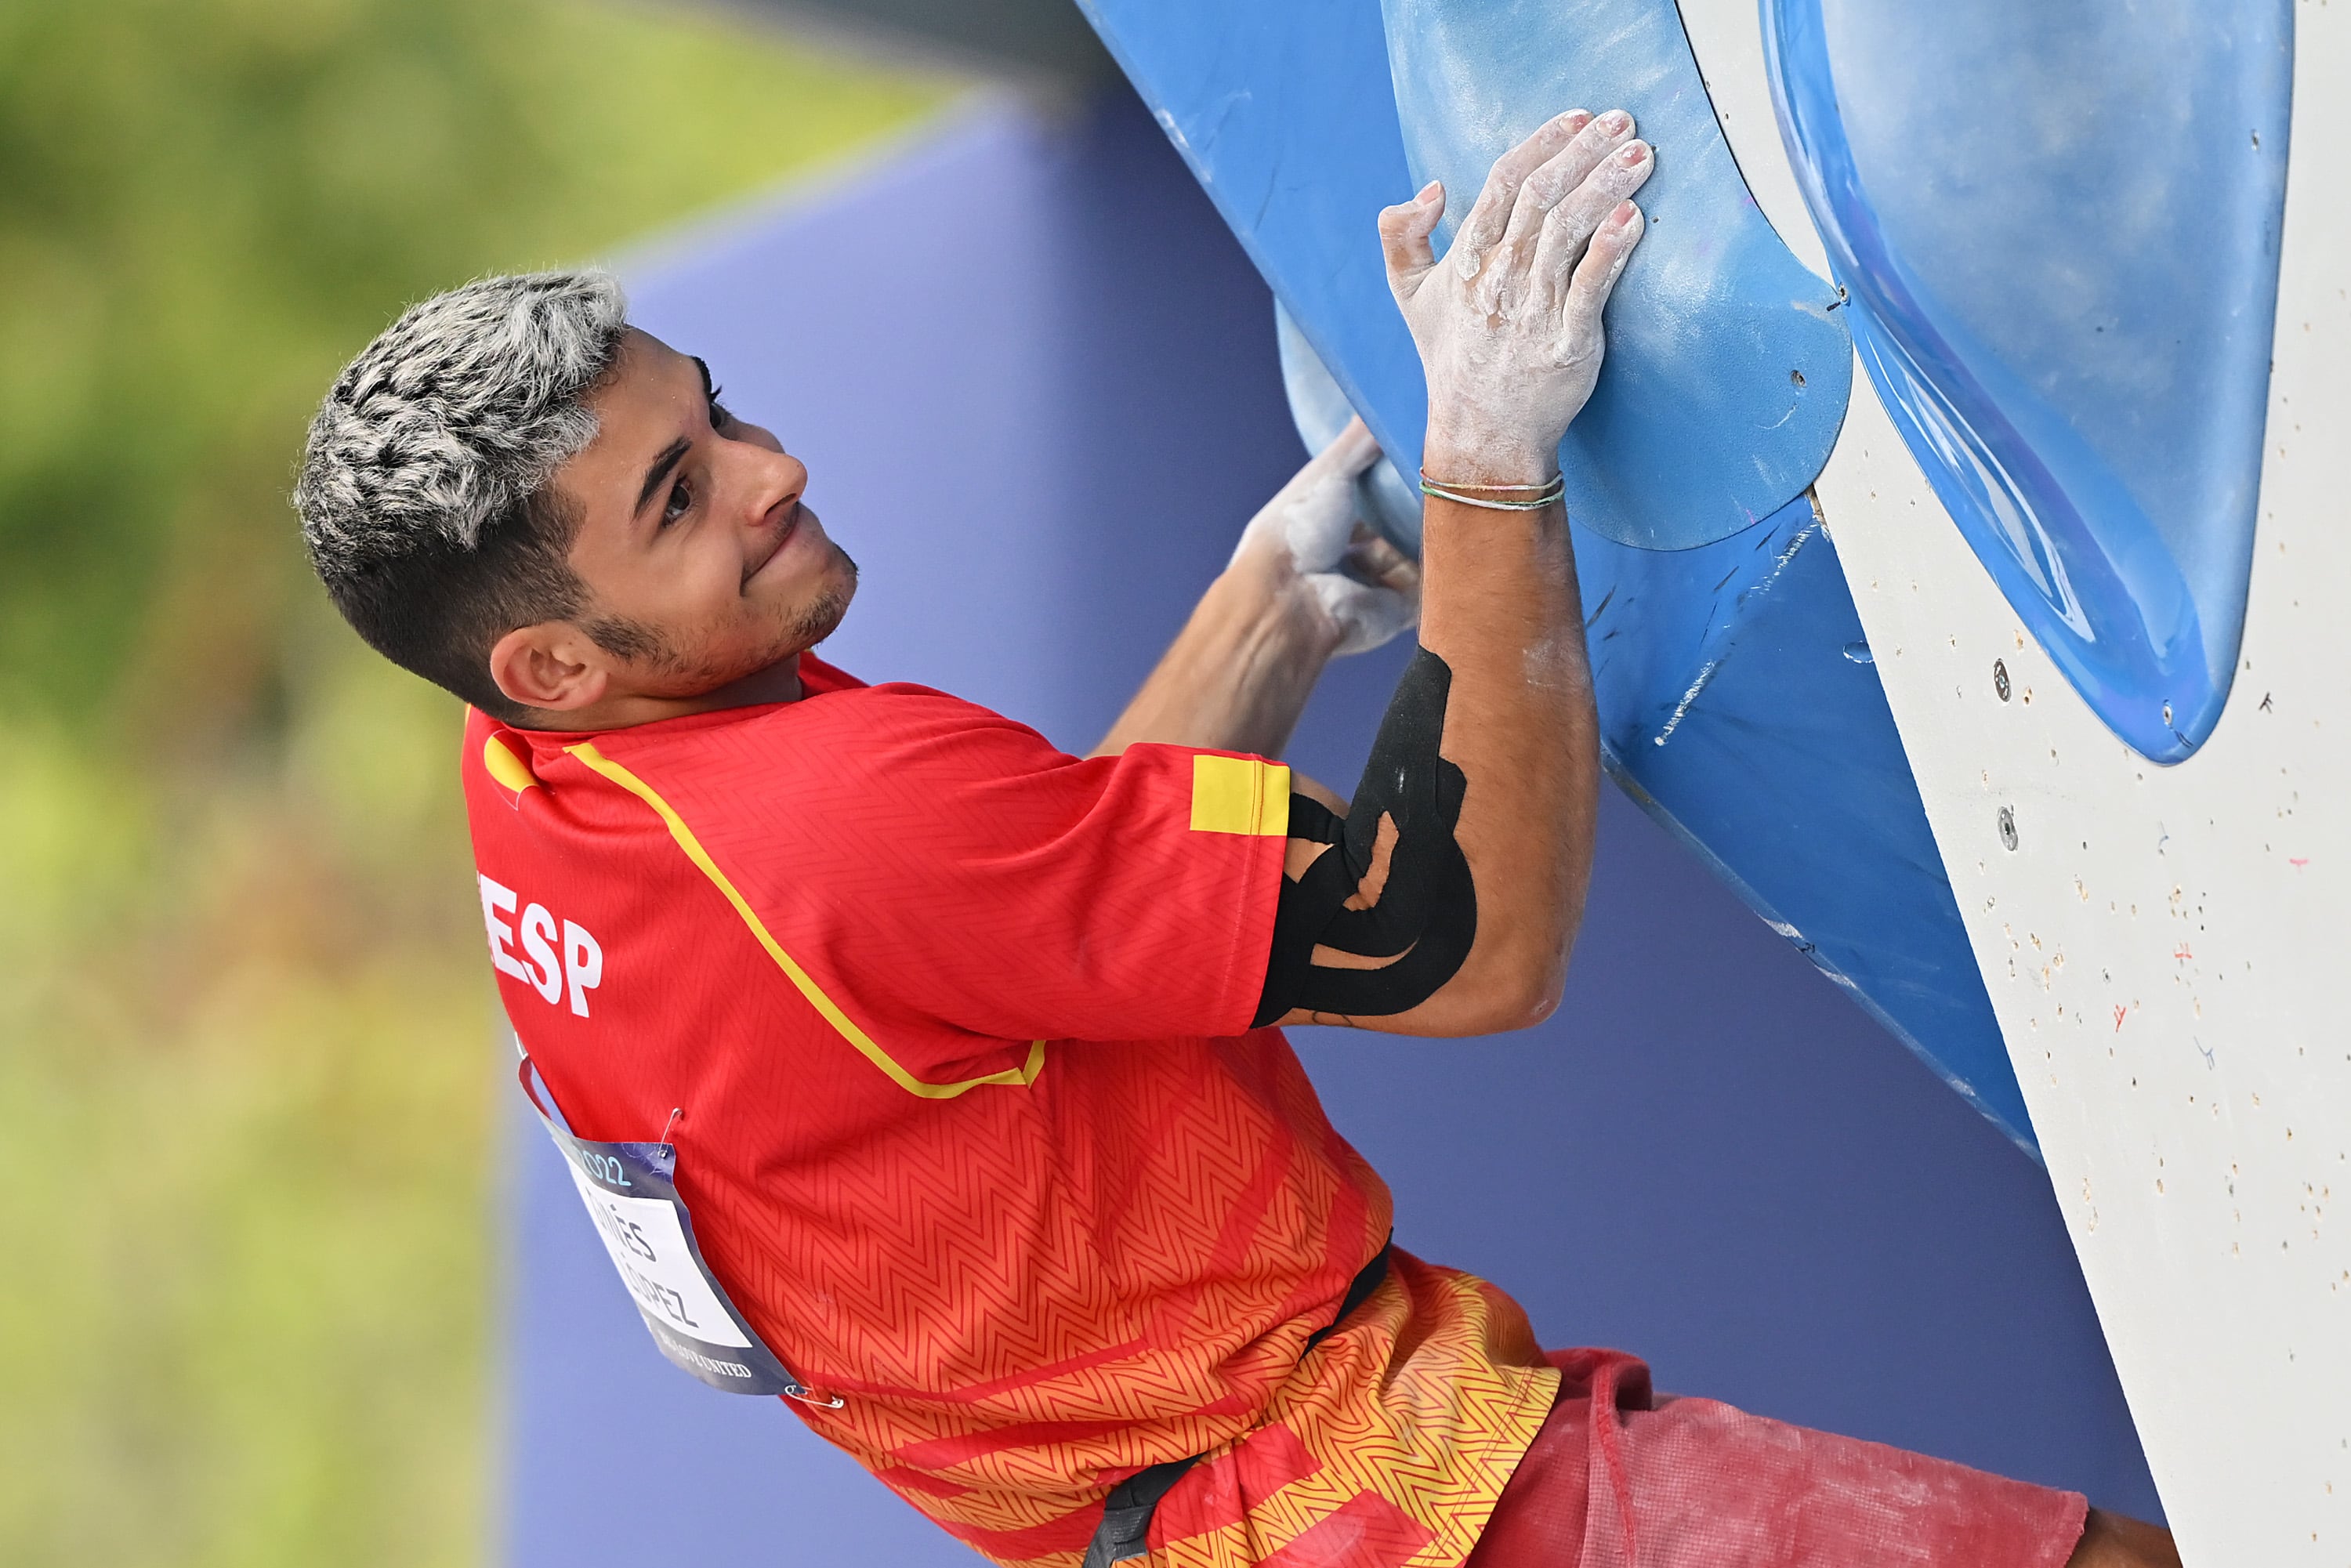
2007, 828
2167, 715
2000, 678
1797, 377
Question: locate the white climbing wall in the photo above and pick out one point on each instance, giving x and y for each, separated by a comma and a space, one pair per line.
2162, 944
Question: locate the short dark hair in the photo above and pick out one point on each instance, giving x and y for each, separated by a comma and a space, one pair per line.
424, 488
437, 610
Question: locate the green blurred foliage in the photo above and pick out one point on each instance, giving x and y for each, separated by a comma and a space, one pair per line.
246, 1075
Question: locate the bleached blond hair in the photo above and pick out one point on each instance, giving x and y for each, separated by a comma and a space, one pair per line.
423, 487
455, 414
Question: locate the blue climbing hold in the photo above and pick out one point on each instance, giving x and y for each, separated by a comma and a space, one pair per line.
2060, 227
1729, 366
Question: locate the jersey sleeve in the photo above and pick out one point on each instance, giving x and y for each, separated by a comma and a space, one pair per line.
983, 879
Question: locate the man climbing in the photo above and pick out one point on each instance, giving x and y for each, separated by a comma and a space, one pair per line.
959, 1057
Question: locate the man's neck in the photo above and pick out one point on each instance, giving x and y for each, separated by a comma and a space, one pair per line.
778, 682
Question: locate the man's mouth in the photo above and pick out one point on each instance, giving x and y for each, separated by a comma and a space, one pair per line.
783, 537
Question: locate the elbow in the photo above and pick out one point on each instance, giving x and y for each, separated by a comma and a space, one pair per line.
1505, 997
1531, 1002
1545, 999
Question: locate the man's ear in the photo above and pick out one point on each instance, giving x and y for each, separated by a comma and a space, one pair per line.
552, 665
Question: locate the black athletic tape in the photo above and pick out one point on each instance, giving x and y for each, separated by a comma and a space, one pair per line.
1427, 915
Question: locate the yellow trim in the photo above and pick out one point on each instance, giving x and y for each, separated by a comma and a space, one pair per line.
1239, 795
1022, 1075
498, 759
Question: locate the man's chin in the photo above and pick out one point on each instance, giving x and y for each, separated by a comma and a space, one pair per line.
815, 620
666, 672
821, 616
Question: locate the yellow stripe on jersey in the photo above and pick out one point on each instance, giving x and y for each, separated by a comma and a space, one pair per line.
1239, 795
513, 774
1021, 1076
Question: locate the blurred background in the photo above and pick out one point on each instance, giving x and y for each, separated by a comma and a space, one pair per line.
246, 1086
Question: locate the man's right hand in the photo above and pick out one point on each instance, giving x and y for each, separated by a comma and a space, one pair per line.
1507, 323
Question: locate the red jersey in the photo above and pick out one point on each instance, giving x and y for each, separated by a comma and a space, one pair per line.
950, 1030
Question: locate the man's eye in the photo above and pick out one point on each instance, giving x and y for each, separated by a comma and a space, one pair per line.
680, 502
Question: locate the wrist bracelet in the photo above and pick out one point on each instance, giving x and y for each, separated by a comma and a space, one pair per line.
1454, 485
1547, 494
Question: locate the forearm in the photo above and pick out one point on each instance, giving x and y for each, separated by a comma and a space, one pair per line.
1447, 904
1509, 330
1239, 674
1501, 607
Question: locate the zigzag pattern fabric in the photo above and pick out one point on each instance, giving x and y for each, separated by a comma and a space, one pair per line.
949, 1030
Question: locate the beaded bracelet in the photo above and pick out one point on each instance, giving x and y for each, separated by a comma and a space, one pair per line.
1545, 494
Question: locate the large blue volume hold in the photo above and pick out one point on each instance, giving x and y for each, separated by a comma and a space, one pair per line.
1735, 704
2060, 226
1728, 366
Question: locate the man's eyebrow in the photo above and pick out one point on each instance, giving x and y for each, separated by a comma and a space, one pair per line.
659, 471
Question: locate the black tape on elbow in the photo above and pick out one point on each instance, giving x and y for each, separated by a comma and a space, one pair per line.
1408, 930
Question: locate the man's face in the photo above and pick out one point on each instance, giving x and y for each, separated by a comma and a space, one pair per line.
702, 565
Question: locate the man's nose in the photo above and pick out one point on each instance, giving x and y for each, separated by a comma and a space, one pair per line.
777, 479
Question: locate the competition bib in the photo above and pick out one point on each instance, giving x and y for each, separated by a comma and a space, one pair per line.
630, 1192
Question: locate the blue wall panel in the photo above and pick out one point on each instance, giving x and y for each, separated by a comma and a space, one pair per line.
1285, 115
1040, 437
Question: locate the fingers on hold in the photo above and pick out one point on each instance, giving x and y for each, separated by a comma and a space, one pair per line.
1613, 242
1557, 133
1627, 169
1542, 193
1603, 263
1492, 214
1572, 223
1353, 449
1539, 148
1342, 458
1589, 149
1485, 223
1623, 171
1375, 560
1532, 180
1603, 137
